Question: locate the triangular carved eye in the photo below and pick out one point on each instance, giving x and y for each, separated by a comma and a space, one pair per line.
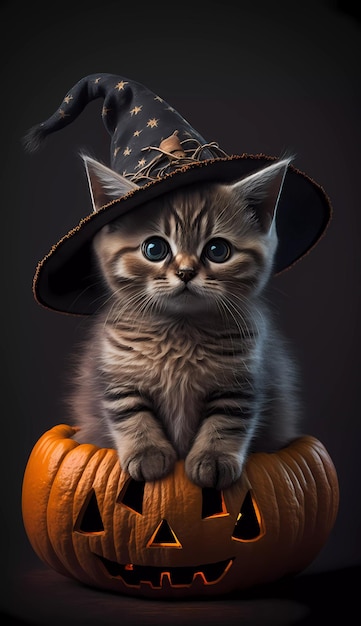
89, 519
248, 525
131, 495
213, 504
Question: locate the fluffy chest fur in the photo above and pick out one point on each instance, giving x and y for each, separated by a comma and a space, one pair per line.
181, 364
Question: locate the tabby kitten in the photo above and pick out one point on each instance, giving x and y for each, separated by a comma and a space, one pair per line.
184, 361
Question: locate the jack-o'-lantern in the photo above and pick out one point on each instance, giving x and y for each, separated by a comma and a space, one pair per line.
87, 519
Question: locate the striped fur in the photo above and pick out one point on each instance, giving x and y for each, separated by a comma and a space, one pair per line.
189, 368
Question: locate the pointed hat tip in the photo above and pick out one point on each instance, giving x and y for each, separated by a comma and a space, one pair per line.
34, 138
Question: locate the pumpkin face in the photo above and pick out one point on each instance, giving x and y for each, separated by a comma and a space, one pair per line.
89, 520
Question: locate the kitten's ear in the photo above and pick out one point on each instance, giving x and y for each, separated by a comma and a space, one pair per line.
261, 191
105, 185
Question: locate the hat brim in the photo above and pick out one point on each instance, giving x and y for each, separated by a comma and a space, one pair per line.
67, 279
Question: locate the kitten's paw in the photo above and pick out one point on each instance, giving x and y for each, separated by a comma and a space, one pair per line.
213, 470
152, 463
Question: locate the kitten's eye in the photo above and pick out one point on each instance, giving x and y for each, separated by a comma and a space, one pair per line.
155, 249
217, 250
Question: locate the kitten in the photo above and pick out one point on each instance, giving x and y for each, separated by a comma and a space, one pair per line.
184, 361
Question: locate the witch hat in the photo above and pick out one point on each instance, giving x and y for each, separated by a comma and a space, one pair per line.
155, 148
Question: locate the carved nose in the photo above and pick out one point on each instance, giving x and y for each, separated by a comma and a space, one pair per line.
186, 273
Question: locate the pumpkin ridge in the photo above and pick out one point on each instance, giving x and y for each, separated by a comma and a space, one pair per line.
307, 457
332, 484
113, 477
101, 467
302, 458
295, 466
58, 504
35, 495
298, 493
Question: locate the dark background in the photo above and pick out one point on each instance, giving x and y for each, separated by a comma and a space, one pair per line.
256, 77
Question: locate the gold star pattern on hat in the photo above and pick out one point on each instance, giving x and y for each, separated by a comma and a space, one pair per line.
152, 123
120, 86
135, 110
68, 98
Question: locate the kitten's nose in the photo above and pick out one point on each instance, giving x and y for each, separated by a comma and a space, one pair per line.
186, 273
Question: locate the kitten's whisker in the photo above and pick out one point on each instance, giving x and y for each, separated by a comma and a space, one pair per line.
255, 315
244, 308
229, 313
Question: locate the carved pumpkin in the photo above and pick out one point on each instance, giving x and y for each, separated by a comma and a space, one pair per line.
88, 520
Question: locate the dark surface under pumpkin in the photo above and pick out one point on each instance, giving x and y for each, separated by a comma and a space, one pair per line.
88, 520
40, 596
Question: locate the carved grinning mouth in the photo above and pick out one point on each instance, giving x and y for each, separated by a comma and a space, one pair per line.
134, 575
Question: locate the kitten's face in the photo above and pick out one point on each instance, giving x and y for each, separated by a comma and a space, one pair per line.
195, 251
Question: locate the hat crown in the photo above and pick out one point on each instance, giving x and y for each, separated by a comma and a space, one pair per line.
149, 138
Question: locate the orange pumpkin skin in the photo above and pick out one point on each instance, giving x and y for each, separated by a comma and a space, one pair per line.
272, 522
